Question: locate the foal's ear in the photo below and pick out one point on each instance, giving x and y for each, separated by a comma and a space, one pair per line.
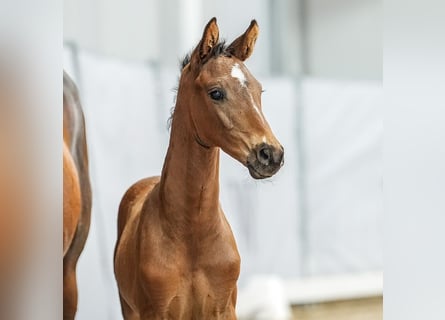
209, 39
243, 46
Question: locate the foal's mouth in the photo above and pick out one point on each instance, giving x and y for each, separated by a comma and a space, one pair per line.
255, 174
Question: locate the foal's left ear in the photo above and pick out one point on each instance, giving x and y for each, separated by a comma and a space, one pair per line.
210, 38
243, 46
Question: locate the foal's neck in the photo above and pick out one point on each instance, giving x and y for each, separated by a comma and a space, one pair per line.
189, 186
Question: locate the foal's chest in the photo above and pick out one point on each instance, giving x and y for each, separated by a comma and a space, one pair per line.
189, 283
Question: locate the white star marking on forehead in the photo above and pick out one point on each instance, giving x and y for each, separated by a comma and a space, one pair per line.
256, 108
238, 74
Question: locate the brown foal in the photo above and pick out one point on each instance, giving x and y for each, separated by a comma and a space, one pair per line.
76, 193
176, 257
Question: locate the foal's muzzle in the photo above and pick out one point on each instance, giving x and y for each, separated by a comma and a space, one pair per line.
265, 160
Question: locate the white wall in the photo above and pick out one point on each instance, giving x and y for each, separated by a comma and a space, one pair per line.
133, 29
125, 29
343, 38
340, 38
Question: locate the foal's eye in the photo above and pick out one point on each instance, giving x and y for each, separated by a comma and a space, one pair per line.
216, 94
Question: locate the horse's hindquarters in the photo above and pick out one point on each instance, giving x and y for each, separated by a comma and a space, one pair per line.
76, 193
71, 199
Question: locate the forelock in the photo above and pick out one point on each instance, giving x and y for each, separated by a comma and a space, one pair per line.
219, 50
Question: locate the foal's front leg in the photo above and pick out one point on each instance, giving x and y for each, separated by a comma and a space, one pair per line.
161, 290
228, 314
172, 313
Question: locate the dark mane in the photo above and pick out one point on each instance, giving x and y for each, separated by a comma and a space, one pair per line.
219, 50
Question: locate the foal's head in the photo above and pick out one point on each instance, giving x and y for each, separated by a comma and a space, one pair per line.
224, 102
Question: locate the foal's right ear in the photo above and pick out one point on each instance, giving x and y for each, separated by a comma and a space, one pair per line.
209, 39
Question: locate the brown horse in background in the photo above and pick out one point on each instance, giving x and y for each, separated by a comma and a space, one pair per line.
76, 193
176, 257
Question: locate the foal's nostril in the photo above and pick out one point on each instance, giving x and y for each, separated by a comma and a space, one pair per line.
264, 155
281, 157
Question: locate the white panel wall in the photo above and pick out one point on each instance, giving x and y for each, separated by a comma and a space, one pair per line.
343, 138
159, 30
343, 38
126, 29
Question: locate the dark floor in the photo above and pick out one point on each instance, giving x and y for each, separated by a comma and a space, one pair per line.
359, 309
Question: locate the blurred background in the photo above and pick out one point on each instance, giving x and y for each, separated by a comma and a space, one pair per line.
311, 237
